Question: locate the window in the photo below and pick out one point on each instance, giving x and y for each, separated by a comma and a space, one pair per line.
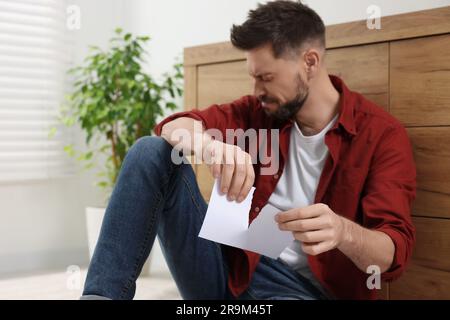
34, 58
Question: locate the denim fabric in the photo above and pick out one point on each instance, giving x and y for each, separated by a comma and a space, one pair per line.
155, 197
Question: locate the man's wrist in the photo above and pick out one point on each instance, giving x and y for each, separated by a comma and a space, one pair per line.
349, 237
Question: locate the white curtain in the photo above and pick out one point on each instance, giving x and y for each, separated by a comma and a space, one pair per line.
34, 57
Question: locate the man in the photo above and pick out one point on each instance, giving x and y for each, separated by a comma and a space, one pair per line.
344, 185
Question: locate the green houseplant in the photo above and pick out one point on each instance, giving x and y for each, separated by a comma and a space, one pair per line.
115, 103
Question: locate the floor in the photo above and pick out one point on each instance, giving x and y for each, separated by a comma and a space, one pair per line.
68, 286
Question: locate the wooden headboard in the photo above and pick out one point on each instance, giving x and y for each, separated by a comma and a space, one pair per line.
405, 68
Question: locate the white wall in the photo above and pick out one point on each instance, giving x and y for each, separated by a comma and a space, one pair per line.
175, 24
42, 223
333, 12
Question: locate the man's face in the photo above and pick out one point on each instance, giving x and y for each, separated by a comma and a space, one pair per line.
278, 83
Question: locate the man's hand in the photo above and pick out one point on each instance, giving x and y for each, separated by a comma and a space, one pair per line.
317, 227
233, 166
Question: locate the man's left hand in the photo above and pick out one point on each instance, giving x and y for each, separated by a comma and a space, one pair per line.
317, 227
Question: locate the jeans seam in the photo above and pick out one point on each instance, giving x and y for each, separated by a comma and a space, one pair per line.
191, 193
134, 276
197, 205
141, 252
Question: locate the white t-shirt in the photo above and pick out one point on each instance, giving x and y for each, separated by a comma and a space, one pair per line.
297, 187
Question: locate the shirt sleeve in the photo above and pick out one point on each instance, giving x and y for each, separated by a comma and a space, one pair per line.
234, 115
389, 193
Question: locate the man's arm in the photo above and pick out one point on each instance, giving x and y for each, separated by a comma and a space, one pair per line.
366, 247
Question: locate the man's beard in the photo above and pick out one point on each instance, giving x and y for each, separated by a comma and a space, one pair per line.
289, 109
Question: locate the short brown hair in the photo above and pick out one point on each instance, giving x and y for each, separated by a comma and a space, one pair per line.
287, 25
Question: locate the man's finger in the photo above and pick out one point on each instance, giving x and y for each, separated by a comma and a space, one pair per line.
308, 212
249, 180
239, 174
216, 160
312, 236
227, 169
314, 249
303, 225
216, 169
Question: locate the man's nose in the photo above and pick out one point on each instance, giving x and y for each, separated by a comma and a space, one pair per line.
258, 90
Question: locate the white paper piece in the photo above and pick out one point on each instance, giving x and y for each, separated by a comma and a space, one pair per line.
264, 236
226, 222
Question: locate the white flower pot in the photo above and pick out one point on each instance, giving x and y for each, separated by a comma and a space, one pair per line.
94, 219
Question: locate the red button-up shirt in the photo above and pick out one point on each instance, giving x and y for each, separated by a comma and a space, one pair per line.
369, 177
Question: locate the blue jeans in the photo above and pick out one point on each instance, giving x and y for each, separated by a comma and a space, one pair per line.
155, 197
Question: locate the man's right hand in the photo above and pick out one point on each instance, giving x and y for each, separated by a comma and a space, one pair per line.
232, 165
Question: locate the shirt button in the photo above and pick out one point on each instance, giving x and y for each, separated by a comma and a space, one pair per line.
257, 209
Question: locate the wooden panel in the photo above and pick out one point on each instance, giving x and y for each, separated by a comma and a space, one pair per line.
400, 26
431, 204
428, 276
190, 96
432, 155
212, 53
205, 181
421, 283
221, 83
432, 243
420, 86
190, 88
364, 69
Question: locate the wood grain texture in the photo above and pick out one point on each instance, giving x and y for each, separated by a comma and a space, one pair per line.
190, 96
420, 86
400, 26
364, 69
212, 53
421, 283
205, 181
222, 83
432, 156
428, 276
190, 87
431, 204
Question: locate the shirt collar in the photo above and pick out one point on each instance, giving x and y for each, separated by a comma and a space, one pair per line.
346, 106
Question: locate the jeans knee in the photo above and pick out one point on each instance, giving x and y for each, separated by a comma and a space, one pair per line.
148, 148
151, 143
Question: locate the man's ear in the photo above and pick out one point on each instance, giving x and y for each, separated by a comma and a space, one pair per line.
312, 60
